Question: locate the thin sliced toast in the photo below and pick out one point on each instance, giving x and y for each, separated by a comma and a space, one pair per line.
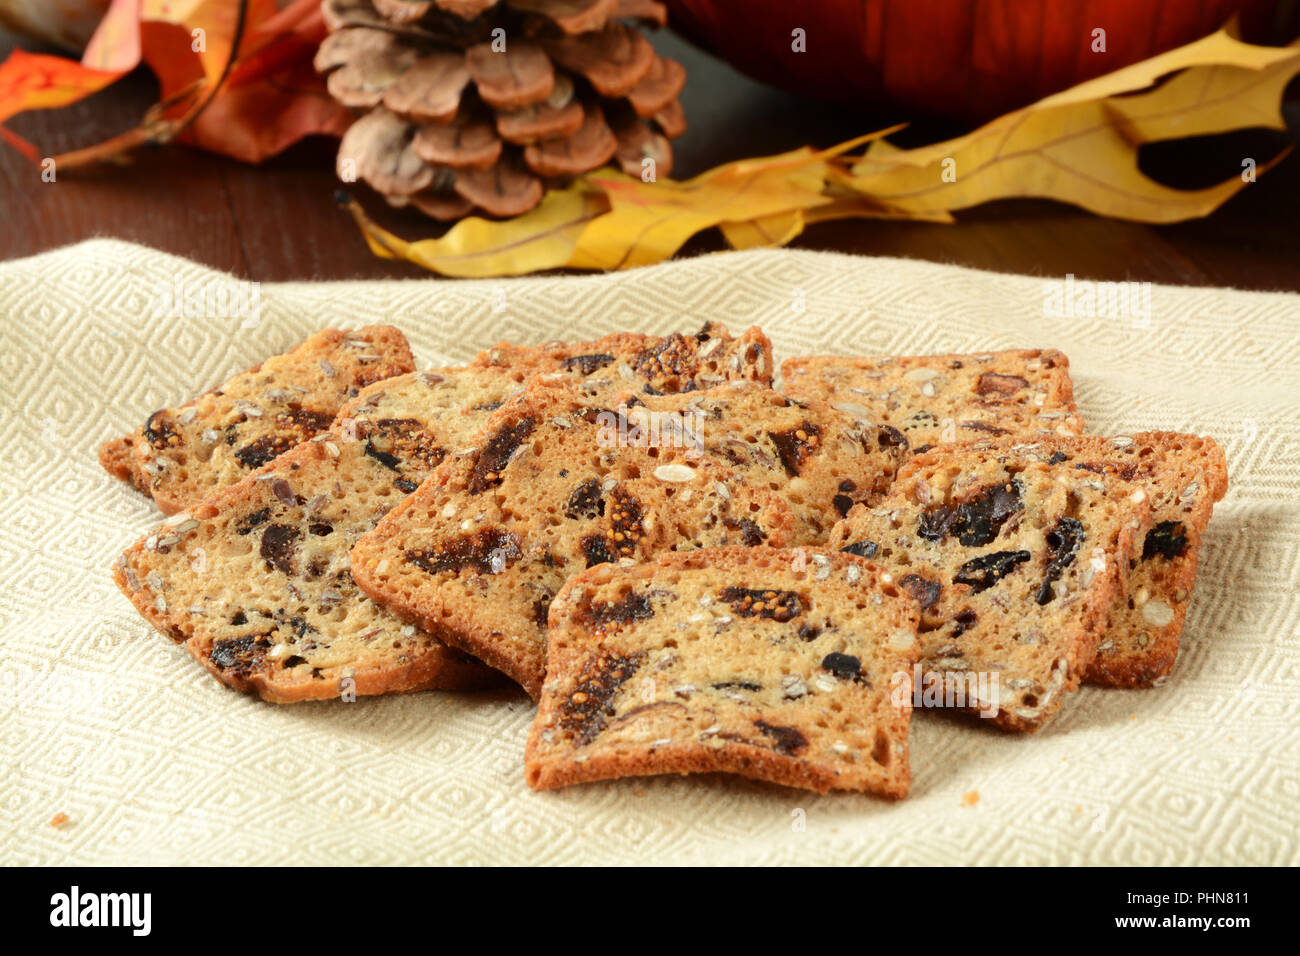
183, 454
1184, 476
653, 365
822, 462
478, 553
255, 579
933, 399
788, 666
1015, 558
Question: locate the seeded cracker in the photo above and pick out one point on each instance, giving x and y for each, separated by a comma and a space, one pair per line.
786, 666
932, 399
1015, 557
256, 581
182, 454
822, 462
1184, 475
479, 552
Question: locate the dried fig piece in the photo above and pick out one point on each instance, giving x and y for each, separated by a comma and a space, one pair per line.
591, 146
844, 666
789, 741
1000, 385
496, 454
614, 60
507, 189
925, 591
363, 80
586, 710
558, 116
571, 16
775, 605
430, 90
489, 551
280, 546
1167, 539
672, 119
379, 144
658, 88
983, 572
470, 143
630, 607
796, 445
518, 76
1064, 541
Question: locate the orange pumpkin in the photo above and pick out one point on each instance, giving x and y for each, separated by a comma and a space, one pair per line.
968, 60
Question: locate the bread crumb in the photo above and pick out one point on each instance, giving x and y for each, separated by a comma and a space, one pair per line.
639, 792
59, 819
970, 799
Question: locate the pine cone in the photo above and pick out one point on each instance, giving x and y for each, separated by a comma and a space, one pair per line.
484, 104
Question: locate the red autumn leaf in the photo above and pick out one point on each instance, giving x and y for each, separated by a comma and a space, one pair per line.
235, 77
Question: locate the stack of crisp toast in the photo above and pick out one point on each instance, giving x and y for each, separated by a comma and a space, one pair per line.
688, 569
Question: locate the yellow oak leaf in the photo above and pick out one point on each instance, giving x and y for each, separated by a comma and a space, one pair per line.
1084, 149
540, 239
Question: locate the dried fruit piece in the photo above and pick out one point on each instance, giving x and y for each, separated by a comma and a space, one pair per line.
988, 569
585, 711
1063, 543
1167, 539
752, 602
485, 552
686, 683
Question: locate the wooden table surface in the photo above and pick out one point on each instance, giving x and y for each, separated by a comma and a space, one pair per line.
279, 222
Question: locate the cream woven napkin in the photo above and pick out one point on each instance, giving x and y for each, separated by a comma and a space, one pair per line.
154, 762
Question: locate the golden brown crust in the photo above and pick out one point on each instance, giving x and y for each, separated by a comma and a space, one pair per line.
1185, 476
479, 551
673, 363
935, 399
255, 582
117, 457
1016, 557
182, 454
790, 666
